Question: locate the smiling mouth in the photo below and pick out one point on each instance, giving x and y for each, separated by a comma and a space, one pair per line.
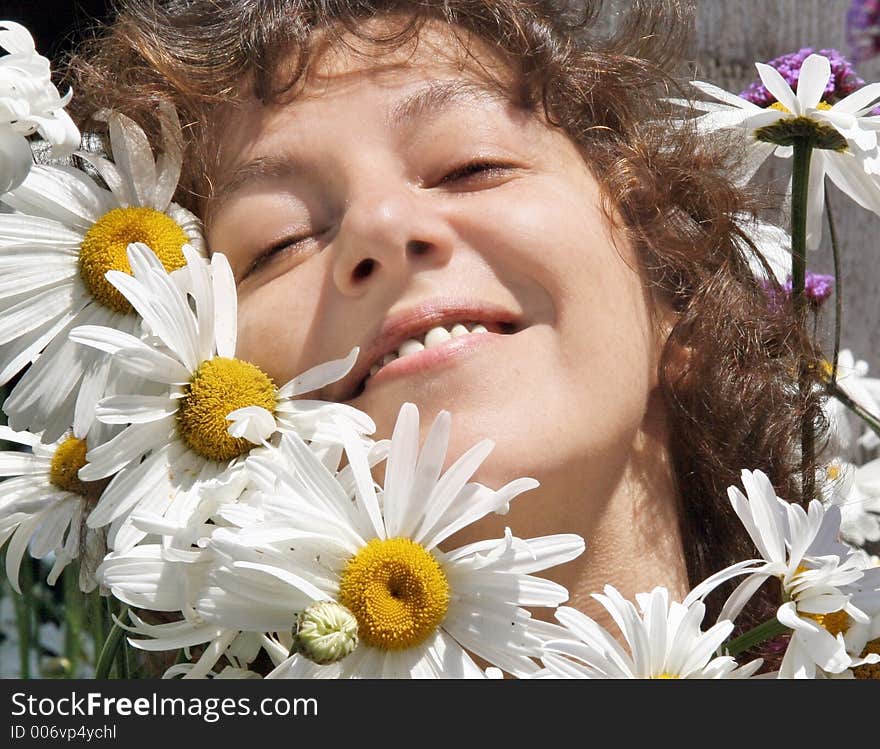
434, 337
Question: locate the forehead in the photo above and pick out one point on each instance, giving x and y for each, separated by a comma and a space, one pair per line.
437, 67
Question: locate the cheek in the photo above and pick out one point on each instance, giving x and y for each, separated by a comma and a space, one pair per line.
273, 327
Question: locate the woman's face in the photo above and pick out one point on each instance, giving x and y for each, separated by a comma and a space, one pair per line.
402, 197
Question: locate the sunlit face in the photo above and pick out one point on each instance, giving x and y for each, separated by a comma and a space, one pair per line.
398, 195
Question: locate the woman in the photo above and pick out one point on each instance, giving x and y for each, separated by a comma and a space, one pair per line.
392, 174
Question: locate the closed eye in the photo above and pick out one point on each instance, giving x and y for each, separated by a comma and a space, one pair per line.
477, 169
280, 249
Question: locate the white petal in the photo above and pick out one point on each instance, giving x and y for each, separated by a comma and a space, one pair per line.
128, 486
134, 157
91, 390
450, 486
776, 85
200, 288
845, 171
725, 96
814, 76
170, 161
225, 305
400, 467
816, 199
253, 423
135, 409
319, 376
39, 309
858, 100
25, 350
129, 445
16, 159
63, 194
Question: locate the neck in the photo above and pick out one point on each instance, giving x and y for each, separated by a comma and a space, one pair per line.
633, 540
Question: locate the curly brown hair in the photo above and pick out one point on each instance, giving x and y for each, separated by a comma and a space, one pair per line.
729, 368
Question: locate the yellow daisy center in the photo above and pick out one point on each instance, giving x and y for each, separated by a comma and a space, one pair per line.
832, 471
219, 386
837, 622
869, 670
104, 248
397, 592
68, 458
824, 105
666, 675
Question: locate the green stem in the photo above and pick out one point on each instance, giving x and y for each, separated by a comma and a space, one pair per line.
111, 648
800, 178
763, 632
73, 618
96, 620
838, 290
24, 617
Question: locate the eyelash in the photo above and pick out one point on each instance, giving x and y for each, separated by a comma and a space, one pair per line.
463, 172
276, 249
476, 167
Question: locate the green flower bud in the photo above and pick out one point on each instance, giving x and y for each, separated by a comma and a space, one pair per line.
325, 633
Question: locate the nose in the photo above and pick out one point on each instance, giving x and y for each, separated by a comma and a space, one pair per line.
388, 232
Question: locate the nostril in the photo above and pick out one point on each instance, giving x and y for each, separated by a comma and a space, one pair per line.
363, 269
417, 247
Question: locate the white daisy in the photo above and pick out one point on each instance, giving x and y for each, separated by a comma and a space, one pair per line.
29, 103
852, 378
847, 149
664, 640
43, 505
828, 596
856, 491
209, 408
66, 233
420, 611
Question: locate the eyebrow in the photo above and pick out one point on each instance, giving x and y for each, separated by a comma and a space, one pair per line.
430, 99
437, 96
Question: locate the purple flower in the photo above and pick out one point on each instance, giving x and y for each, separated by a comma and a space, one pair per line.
817, 288
863, 29
842, 83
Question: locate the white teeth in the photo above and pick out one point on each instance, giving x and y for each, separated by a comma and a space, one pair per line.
410, 346
436, 336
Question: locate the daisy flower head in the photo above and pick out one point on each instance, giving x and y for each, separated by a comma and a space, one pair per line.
828, 596
206, 410
853, 380
29, 103
65, 234
663, 638
421, 612
843, 133
43, 505
856, 491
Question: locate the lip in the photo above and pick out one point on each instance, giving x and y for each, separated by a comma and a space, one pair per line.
413, 322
